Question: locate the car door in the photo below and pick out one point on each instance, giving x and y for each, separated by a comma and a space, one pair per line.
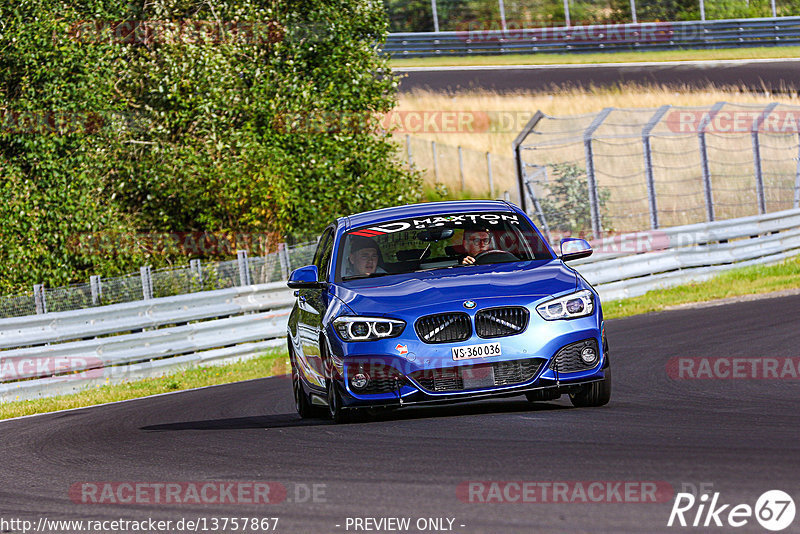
312, 304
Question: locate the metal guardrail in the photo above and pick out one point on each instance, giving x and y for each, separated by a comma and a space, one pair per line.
696, 252
63, 352
598, 38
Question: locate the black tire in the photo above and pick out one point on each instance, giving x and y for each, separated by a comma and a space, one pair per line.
302, 403
336, 412
594, 394
542, 395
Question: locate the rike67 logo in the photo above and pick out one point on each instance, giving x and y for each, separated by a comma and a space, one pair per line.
774, 510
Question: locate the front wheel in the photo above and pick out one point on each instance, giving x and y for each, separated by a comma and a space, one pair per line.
336, 411
594, 394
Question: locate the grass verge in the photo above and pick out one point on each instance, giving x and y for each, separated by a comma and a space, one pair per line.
776, 52
735, 283
270, 364
738, 282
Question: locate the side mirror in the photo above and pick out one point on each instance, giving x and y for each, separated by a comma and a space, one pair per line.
573, 249
304, 278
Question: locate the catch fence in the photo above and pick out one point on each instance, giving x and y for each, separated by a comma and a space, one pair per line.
625, 170
151, 283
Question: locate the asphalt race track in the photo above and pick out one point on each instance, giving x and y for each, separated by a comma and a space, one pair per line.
774, 75
738, 437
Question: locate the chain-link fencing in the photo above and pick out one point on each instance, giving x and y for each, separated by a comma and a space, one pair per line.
149, 283
624, 170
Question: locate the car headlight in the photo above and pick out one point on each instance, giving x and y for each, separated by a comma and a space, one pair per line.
367, 328
578, 304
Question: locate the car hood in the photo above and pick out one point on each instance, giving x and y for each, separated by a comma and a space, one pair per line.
424, 289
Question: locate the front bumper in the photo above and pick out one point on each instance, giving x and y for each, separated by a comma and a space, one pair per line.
527, 363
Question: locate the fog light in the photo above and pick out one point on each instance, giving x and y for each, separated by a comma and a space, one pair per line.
359, 380
588, 355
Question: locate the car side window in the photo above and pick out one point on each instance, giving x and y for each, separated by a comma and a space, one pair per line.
322, 258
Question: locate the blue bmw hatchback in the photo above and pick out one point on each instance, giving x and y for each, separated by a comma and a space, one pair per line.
443, 302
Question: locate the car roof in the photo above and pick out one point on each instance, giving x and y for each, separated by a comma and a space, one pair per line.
419, 210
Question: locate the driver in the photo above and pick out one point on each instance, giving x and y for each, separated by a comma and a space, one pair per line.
475, 242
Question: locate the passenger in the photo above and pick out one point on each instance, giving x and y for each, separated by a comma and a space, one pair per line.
364, 257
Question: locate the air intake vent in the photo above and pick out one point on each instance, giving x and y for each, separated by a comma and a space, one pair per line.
444, 328
500, 322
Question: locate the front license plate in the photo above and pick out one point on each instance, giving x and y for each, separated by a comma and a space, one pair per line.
476, 351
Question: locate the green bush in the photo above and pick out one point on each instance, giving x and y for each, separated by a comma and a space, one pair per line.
187, 127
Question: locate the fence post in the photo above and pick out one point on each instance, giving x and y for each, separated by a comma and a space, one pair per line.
283, 258
97, 289
797, 171
461, 166
244, 272
489, 171
762, 202
516, 146
435, 163
648, 163
408, 151
147, 282
701, 135
197, 269
39, 298
591, 181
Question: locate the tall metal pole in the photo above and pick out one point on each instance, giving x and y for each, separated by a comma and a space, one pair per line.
435, 16
503, 14
566, 12
701, 134
591, 180
702, 10
648, 164
762, 203
774, 12
633, 11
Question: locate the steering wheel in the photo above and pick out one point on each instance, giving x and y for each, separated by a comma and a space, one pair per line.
494, 256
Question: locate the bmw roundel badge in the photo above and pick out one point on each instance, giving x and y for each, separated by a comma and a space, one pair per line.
469, 304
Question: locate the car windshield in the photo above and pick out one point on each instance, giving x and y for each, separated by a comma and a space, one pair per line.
438, 242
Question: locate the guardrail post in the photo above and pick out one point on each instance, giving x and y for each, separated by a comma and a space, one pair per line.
147, 282
39, 298
591, 181
244, 271
701, 135
197, 270
97, 289
762, 203
516, 145
648, 164
435, 163
461, 165
489, 172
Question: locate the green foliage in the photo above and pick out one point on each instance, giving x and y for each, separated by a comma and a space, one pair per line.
185, 128
566, 208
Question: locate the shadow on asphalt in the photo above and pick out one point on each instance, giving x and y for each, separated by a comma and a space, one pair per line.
293, 420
